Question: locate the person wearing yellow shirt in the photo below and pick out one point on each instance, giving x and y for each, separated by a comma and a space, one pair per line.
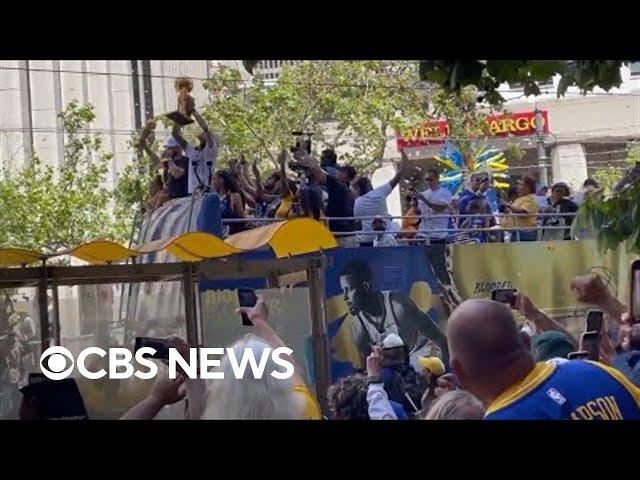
525, 203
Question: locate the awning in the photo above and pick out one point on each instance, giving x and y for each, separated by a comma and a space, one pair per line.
291, 237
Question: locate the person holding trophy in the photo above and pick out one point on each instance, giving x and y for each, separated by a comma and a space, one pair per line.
202, 158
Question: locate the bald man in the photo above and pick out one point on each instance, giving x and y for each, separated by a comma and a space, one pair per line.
490, 359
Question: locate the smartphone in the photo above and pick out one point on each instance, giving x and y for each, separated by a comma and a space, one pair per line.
305, 146
247, 298
594, 321
582, 355
394, 356
159, 344
591, 344
56, 399
504, 295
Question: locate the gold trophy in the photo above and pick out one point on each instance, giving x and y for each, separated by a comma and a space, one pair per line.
182, 116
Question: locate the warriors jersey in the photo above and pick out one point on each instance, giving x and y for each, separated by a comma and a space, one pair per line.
573, 390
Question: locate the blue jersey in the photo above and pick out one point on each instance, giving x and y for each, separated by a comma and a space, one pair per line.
574, 390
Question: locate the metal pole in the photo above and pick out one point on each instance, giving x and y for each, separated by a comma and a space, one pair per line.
135, 84
319, 338
190, 305
147, 89
542, 154
56, 314
43, 309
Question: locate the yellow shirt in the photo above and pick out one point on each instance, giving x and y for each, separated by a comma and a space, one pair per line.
528, 203
311, 406
284, 209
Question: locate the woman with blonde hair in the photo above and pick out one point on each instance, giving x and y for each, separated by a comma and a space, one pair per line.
265, 398
456, 405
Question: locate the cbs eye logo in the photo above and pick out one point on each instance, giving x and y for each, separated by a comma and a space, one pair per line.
53, 363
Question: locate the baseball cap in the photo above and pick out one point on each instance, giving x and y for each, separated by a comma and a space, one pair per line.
170, 142
433, 364
391, 341
551, 344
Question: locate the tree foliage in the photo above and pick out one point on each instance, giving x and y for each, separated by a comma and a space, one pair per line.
615, 215
53, 208
353, 106
488, 75
609, 176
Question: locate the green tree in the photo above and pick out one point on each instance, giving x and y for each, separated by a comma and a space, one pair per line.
615, 214
132, 189
488, 75
355, 106
609, 176
49, 208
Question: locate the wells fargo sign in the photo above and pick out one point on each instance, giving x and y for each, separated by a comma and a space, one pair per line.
435, 132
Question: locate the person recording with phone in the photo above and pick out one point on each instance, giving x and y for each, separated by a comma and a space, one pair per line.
379, 404
400, 380
302, 201
340, 199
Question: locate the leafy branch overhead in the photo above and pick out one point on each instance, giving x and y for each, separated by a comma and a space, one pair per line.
54, 208
353, 106
615, 218
488, 75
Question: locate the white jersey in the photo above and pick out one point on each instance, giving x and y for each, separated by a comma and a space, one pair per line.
389, 323
199, 171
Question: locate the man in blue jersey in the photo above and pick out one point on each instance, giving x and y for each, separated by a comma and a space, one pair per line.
490, 359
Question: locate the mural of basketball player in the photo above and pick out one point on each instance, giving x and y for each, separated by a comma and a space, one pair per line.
378, 313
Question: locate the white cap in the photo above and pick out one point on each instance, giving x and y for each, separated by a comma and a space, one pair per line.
392, 340
170, 142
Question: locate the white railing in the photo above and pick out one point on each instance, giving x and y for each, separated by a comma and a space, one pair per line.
424, 236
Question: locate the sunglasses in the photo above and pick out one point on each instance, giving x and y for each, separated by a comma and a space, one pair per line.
428, 179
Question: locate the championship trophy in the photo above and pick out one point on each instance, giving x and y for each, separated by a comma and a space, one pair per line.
182, 116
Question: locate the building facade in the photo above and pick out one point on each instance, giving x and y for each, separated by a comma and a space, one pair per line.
585, 132
124, 93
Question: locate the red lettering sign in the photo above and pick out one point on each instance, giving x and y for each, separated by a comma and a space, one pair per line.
434, 133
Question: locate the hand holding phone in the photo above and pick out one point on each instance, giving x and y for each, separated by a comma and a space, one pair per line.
247, 298
590, 343
160, 345
505, 295
580, 355
595, 321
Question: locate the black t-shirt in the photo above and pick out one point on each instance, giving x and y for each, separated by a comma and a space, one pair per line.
179, 187
339, 204
565, 206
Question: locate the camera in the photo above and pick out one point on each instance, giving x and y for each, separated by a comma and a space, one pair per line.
296, 167
303, 142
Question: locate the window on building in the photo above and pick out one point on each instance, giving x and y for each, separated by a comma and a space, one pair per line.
543, 85
635, 69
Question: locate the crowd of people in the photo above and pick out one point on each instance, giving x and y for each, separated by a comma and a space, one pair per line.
19, 344
496, 369
353, 210
491, 361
